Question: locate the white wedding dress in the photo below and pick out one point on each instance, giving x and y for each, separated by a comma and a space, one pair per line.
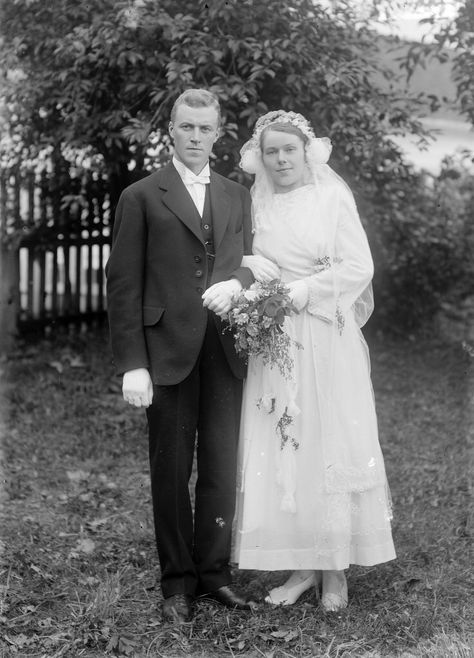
312, 487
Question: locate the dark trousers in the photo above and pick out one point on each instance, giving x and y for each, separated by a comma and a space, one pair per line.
195, 556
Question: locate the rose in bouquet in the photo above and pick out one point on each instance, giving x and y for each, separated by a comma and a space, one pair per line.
257, 321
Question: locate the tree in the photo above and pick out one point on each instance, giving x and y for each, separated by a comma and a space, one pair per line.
460, 36
9, 297
103, 74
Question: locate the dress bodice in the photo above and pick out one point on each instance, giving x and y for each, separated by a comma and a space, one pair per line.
290, 234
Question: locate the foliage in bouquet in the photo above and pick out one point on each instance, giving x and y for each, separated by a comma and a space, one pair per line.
256, 320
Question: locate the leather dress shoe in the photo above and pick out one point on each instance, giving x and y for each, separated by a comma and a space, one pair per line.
178, 608
230, 598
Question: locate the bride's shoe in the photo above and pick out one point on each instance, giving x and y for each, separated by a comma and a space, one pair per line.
290, 592
335, 596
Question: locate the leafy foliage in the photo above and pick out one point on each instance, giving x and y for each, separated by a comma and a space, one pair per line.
102, 76
106, 73
422, 239
456, 36
462, 37
421, 226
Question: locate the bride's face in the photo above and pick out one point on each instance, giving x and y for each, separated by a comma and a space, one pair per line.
284, 160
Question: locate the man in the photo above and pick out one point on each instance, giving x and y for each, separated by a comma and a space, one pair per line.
179, 238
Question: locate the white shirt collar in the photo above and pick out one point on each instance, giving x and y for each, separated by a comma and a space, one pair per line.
182, 169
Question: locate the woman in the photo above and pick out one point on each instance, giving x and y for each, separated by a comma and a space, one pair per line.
313, 497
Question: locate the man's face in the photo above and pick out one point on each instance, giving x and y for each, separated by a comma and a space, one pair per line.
194, 131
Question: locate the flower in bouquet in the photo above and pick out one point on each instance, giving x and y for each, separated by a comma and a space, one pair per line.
257, 321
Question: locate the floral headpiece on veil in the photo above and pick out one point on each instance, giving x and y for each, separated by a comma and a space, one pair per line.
317, 149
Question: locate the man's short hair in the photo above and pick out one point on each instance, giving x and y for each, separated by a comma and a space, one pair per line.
197, 98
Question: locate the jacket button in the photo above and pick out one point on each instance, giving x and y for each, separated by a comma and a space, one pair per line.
206, 227
198, 273
197, 259
200, 290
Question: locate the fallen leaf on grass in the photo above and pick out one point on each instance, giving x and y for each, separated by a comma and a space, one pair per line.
468, 348
77, 476
54, 639
155, 622
19, 641
407, 583
96, 524
238, 642
43, 574
286, 635
124, 645
86, 497
85, 545
57, 365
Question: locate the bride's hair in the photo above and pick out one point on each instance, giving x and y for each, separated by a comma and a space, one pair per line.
281, 127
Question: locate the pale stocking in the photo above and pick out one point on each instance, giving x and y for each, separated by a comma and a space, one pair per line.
335, 594
293, 588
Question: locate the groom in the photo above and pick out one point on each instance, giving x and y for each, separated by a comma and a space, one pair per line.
178, 242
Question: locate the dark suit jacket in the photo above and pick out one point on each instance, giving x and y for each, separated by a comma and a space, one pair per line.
158, 267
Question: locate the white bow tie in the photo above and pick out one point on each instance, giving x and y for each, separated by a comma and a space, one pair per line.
192, 179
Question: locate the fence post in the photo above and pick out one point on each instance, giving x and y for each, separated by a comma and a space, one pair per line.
9, 296
9, 277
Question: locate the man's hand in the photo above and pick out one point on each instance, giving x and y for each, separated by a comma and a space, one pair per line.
137, 387
298, 293
218, 298
263, 269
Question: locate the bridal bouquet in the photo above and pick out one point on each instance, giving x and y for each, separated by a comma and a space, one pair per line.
256, 320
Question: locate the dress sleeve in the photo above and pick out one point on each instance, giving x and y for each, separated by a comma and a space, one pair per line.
344, 274
244, 274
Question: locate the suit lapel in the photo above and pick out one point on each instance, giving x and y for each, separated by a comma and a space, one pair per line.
220, 205
178, 200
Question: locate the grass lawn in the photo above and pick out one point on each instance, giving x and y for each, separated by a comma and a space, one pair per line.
77, 558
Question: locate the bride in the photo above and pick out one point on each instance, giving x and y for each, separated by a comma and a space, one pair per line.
313, 496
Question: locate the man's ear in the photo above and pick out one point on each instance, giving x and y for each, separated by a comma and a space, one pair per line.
170, 128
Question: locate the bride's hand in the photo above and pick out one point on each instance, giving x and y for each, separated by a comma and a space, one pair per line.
263, 269
298, 293
218, 297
